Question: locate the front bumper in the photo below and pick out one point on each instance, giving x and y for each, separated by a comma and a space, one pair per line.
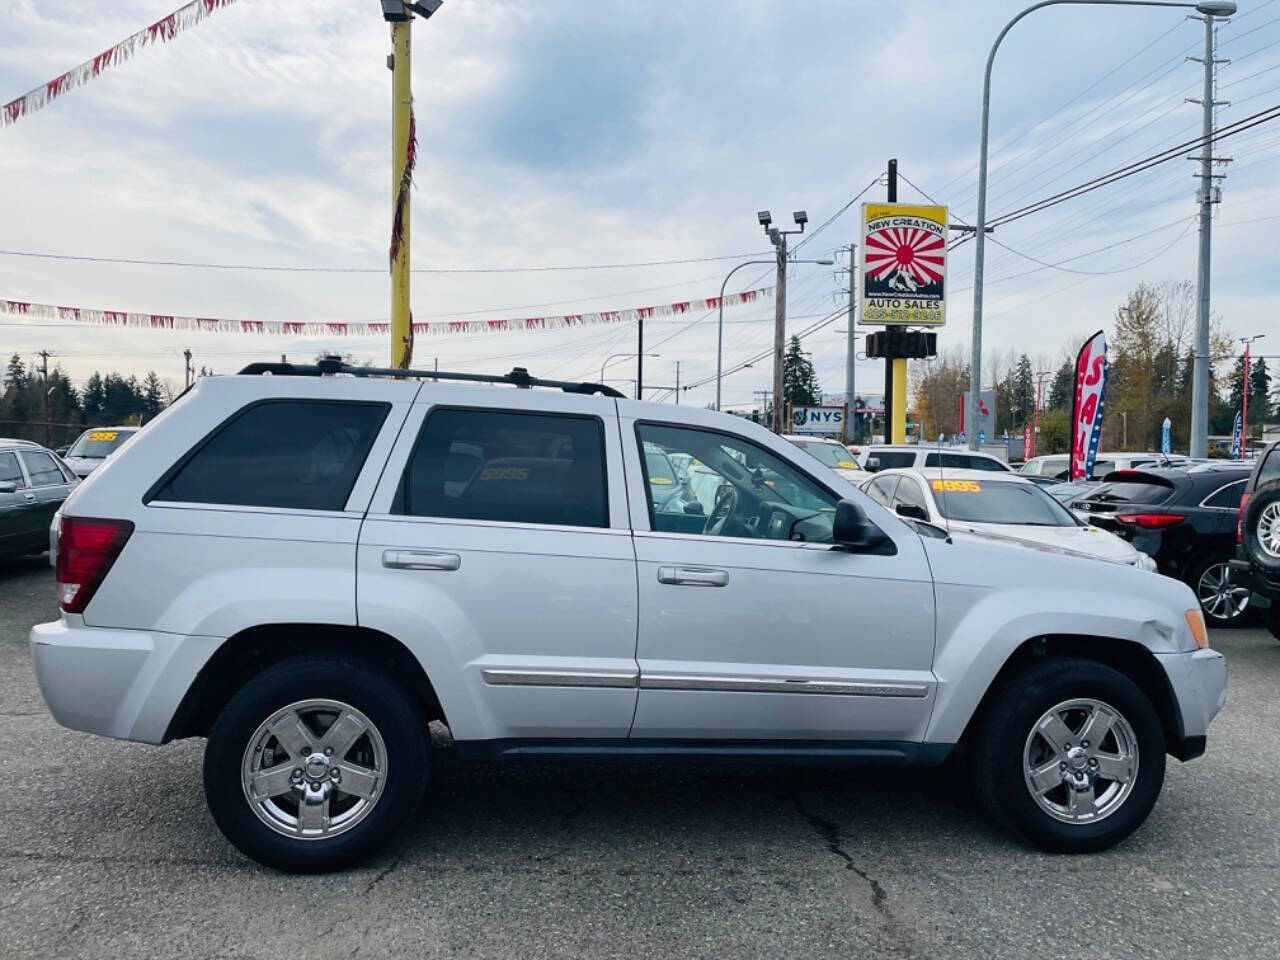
1198, 681
116, 683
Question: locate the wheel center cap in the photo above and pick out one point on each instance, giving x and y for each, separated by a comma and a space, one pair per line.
1077, 758
316, 766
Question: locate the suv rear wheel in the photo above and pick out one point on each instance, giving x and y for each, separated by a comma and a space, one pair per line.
315, 763
1071, 753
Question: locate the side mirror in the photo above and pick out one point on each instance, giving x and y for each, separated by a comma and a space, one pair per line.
872, 464
853, 530
912, 511
8, 486
695, 509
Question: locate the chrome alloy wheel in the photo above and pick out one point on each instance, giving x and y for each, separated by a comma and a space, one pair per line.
1081, 761
1218, 595
1269, 530
314, 769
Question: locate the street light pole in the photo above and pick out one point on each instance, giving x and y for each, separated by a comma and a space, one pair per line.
1209, 8
616, 356
720, 324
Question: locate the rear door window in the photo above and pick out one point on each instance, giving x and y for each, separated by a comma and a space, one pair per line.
1228, 497
892, 459
301, 454
41, 468
964, 461
10, 471
1270, 468
508, 467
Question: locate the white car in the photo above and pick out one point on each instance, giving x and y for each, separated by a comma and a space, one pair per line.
94, 446
1056, 465
833, 454
891, 457
1000, 506
308, 569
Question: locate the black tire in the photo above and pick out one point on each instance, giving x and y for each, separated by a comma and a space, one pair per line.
1195, 574
395, 715
1262, 562
1007, 723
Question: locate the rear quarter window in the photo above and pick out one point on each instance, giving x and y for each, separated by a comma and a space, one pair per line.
1270, 467
300, 454
892, 459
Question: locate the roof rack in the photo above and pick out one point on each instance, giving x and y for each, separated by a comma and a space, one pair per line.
518, 377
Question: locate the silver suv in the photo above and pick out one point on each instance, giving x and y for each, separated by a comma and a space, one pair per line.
307, 569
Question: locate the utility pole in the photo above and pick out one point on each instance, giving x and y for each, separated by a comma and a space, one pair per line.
851, 352
1208, 194
639, 358
677, 383
895, 368
1041, 376
187, 370
44, 374
779, 240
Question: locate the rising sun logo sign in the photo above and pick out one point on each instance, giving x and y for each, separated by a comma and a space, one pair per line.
904, 264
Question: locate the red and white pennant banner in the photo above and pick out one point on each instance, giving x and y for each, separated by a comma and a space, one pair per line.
168, 321
161, 31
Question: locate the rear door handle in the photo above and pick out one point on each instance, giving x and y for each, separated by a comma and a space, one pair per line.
420, 560
694, 576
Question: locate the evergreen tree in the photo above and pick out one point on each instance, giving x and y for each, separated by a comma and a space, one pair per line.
152, 395
1259, 392
1235, 394
94, 401
16, 400
1023, 401
1062, 390
799, 382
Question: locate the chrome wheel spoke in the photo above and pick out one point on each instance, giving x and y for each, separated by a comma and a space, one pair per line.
293, 735
344, 732
1055, 732
313, 810
1117, 768
357, 780
1044, 778
1080, 802
1095, 729
272, 782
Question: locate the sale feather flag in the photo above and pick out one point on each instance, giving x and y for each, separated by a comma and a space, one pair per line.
1086, 406
1237, 437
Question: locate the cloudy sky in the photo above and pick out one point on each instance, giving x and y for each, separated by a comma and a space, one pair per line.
570, 133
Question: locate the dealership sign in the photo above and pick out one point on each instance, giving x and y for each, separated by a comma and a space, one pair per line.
817, 420
1087, 404
904, 264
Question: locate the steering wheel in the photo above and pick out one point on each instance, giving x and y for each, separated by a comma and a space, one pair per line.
726, 506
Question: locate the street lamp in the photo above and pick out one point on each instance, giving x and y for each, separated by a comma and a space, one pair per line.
763, 217
617, 356
1210, 8
1244, 397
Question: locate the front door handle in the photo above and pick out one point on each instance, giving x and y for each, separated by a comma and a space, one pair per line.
694, 576
420, 560
29, 497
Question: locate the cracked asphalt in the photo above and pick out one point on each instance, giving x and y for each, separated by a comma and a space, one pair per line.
106, 850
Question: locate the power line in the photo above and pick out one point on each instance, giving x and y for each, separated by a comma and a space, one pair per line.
279, 268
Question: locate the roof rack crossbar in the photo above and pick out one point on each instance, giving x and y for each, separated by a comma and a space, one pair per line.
518, 377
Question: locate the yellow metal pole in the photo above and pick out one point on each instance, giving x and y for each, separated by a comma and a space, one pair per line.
401, 108
899, 427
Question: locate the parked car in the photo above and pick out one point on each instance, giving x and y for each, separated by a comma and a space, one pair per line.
94, 446
834, 455
892, 457
1008, 507
33, 485
286, 565
1184, 517
1058, 465
1257, 560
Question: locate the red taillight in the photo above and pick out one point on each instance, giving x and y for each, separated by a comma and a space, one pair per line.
1150, 521
86, 550
1244, 502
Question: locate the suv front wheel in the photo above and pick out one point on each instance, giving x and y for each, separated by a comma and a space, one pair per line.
315, 763
1071, 753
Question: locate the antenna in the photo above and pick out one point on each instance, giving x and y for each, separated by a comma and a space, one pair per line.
942, 485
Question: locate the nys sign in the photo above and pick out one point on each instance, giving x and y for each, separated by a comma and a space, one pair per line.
817, 420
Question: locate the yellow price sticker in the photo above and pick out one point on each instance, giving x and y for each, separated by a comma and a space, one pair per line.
847, 465
103, 436
957, 486
660, 481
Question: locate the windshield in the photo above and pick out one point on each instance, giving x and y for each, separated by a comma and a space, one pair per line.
832, 454
984, 501
97, 444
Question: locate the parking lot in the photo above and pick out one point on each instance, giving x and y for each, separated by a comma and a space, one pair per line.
107, 850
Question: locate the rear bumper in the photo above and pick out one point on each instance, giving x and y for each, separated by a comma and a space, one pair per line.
116, 683
1199, 684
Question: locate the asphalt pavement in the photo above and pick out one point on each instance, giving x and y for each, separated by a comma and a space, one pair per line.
107, 850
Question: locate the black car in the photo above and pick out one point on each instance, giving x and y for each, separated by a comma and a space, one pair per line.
33, 484
1258, 533
1185, 519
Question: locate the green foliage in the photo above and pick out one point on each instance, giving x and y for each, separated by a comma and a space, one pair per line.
105, 400
799, 382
